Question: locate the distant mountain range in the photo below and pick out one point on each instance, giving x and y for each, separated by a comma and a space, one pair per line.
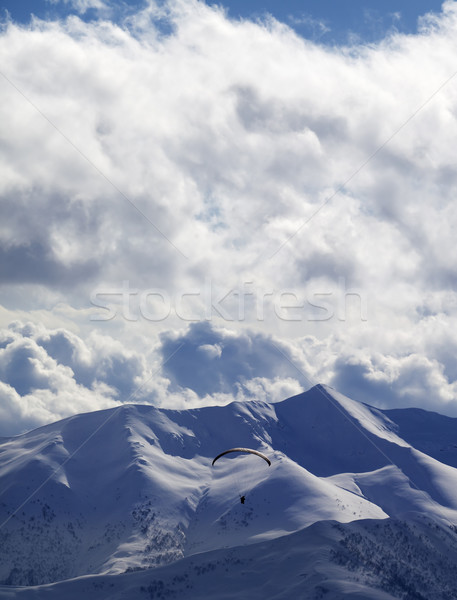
125, 504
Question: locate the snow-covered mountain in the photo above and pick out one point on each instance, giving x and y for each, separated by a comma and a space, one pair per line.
124, 503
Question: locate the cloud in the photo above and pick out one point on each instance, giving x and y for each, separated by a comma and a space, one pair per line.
50, 374
391, 382
210, 350
317, 27
82, 6
225, 138
219, 361
275, 191
47, 374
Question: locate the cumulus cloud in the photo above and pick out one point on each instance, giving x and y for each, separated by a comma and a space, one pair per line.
387, 382
209, 360
312, 187
50, 374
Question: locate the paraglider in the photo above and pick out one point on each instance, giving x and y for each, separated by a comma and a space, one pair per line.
245, 451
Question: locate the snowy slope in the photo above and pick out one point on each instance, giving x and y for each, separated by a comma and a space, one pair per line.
369, 560
133, 488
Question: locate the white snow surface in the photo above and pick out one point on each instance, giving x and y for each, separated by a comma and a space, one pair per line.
124, 503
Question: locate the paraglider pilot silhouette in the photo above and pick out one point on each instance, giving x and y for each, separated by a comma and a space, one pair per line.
245, 451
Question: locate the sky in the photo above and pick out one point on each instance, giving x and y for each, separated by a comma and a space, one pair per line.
326, 21
204, 204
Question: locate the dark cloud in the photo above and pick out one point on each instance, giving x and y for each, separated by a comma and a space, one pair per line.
19, 367
43, 225
211, 361
31, 358
114, 367
409, 381
33, 263
5, 339
352, 380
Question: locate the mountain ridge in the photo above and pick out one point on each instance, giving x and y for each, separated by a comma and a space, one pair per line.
132, 488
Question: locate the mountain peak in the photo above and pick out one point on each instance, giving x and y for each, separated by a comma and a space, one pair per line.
133, 487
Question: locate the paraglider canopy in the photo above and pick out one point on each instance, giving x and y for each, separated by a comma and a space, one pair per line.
246, 451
